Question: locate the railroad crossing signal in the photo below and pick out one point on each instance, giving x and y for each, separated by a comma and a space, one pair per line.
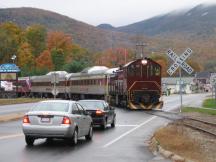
179, 61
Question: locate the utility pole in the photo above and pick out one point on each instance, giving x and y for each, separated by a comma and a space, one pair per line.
55, 85
180, 88
141, 46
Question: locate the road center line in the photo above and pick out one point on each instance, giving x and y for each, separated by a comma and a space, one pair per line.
128, 132
11, 136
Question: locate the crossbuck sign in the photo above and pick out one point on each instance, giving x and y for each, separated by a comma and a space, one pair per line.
179, 61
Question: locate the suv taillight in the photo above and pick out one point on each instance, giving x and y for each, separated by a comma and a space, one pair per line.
66, 120
26, 119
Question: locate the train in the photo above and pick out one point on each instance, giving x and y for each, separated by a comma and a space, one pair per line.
135, 85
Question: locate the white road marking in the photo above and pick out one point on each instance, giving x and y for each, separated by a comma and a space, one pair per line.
126, 125
11, 136
128, 132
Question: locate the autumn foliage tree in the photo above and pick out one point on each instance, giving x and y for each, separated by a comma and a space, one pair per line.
113, 57
26, 59
59, 40
44, 61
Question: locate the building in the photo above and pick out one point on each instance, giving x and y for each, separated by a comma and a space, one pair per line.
202, 81
172, 85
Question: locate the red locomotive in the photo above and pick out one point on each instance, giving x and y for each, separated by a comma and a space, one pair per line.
137, 85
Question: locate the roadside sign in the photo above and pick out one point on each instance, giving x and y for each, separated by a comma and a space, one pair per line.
8, 86
213, 79
55, 92
179, 61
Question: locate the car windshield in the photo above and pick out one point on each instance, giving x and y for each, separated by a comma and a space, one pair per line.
92, 105
51, 106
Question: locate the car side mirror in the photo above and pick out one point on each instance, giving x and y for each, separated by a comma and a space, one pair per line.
86, 113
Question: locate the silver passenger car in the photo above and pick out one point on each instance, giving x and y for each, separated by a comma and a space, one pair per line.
57, 119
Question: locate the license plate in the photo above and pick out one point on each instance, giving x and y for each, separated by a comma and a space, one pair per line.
45, 120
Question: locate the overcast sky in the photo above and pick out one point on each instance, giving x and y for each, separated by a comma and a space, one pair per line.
114, 12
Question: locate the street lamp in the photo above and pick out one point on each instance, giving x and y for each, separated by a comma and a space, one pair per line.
13, 58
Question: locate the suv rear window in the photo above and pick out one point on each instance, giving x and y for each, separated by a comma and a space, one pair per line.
92, 105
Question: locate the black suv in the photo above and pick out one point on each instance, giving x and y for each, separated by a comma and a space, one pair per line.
101, 112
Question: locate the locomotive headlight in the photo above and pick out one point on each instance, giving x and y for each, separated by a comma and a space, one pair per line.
144, 61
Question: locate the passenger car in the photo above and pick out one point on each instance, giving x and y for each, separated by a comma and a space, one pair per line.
57, 119
101, 112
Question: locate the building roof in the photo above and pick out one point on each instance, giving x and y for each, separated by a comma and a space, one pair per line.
174, 80
95, 70
112, 70
204, 74
60, 73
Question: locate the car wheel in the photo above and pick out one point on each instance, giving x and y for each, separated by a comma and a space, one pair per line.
75, 137
113, 123
90, 134
104, 125
29, 140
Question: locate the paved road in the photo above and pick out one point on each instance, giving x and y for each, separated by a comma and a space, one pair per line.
125, 143
170, 103
8, 109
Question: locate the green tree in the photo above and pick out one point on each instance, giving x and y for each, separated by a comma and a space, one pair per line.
210, 66
75, 66
58, 58
36, 37
10, 40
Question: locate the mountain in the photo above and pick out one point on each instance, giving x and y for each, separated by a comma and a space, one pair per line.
194, 28
197, 21
106, 26
88, 36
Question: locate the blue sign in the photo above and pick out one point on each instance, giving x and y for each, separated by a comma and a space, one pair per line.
9, 68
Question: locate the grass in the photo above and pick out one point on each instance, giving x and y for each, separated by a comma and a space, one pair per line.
173, 139
199, 110
207, 103
18, 101
210, 103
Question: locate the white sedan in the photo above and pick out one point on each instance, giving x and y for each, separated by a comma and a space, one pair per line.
57, 119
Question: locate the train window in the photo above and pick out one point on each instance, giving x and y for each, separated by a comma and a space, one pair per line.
131, 70
138, 70
157, 70
150, 70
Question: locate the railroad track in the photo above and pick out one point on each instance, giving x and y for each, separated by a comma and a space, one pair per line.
192, 122
165, 114
200, 125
